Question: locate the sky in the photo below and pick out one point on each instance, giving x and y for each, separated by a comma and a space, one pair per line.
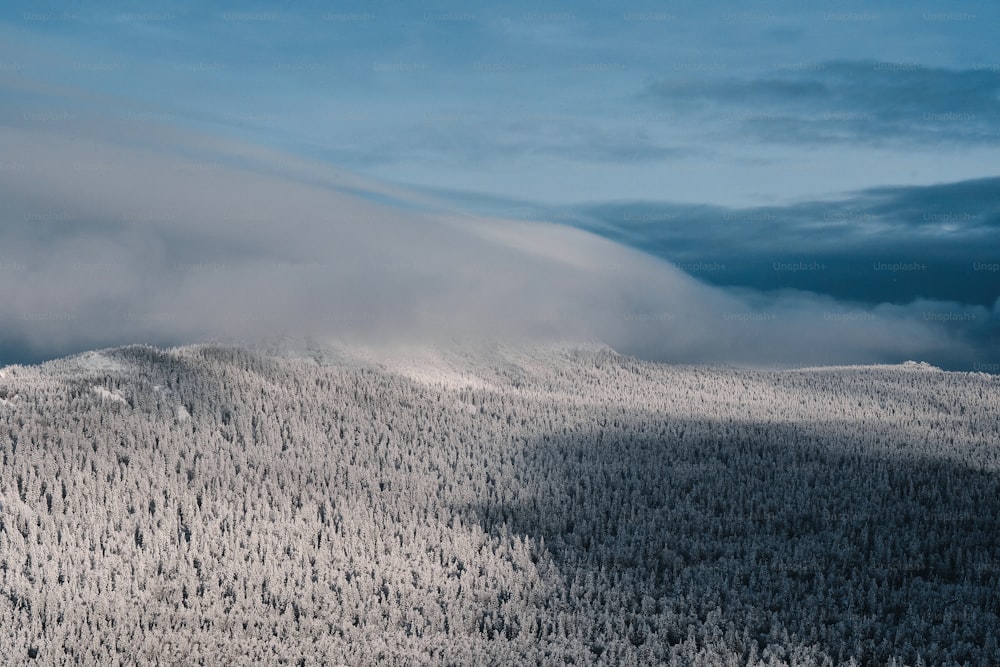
757, 183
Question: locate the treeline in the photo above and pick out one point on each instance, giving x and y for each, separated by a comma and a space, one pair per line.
216, 505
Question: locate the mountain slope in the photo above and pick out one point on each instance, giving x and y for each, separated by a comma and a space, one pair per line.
221, 505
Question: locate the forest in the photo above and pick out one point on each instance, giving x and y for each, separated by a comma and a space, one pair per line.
561, 505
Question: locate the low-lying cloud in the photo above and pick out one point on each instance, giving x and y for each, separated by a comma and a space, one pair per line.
171, 238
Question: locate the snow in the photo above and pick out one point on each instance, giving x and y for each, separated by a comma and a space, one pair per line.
919, 366
182, 413
108, 395
97, 361
761, 452
905, 366
430, 367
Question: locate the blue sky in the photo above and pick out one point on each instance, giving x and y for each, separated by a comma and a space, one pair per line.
733, 135
726, 103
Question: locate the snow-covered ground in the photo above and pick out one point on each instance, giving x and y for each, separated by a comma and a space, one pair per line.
108, 395
96, 362
503, 505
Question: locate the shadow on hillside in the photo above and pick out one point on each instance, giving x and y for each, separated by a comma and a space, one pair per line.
865, 556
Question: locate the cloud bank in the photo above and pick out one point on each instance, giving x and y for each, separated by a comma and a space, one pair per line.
167, 236
884, 244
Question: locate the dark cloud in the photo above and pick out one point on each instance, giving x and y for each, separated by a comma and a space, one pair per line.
866, 101
887, 244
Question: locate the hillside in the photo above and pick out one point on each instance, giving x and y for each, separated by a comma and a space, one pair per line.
563, 505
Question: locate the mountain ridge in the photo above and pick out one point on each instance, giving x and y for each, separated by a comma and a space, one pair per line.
230, 505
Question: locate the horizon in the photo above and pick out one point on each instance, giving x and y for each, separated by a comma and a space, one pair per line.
358, 350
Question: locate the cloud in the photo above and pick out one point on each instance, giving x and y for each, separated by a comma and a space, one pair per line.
493, 139
109, 236
852, 101
884, 244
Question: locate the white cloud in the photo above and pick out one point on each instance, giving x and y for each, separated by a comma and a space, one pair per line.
173, 237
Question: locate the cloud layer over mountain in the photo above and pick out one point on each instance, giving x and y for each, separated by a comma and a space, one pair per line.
162, 235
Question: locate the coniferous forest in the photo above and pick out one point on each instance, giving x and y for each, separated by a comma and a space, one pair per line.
222, 505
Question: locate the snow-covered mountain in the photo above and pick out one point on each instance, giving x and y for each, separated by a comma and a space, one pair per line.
319, 504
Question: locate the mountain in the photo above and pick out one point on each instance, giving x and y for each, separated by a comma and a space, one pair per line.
319, 504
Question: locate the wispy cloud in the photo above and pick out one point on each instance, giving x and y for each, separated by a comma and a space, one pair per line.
460, 138
867, 101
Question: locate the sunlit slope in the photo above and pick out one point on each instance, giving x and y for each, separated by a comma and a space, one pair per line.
219, 505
